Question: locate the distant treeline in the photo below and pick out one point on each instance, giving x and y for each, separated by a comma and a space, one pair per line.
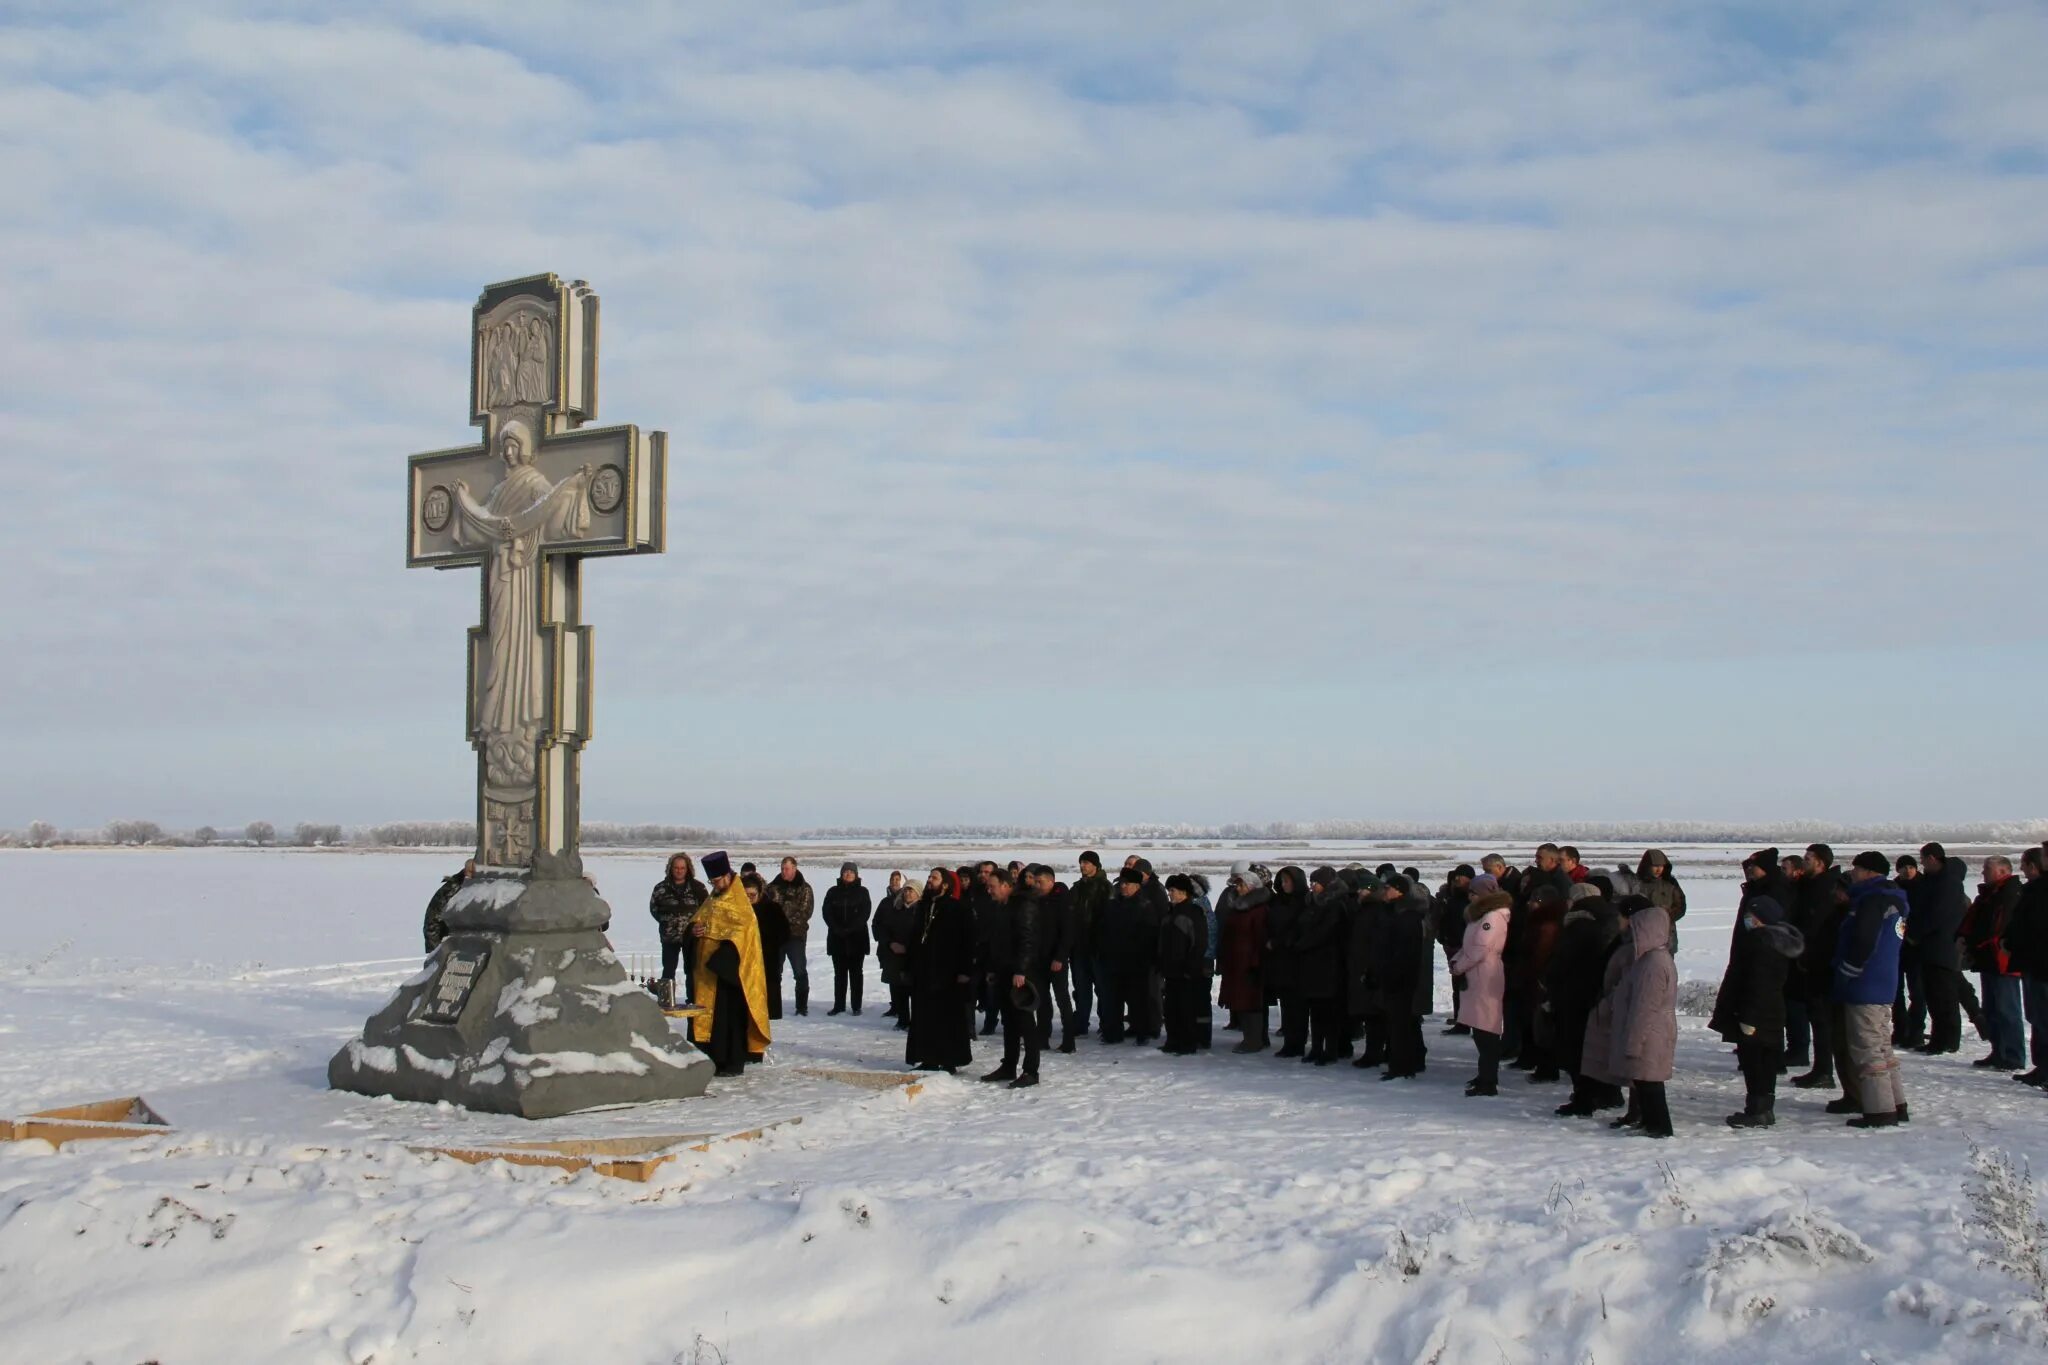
462, 834
1788, 833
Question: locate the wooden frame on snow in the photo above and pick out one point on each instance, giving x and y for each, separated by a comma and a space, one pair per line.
127, 1117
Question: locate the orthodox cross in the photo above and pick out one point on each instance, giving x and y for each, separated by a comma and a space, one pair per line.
539, 494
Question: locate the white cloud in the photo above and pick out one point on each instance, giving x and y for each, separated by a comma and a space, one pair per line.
1348, 327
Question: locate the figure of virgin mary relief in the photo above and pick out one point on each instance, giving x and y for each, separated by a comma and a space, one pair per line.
513, 522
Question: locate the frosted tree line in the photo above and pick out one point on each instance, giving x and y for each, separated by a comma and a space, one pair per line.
462, 833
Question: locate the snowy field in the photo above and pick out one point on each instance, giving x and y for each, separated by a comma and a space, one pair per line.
1134, 1208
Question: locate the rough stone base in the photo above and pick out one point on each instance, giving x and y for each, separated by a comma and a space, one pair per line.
552, 1026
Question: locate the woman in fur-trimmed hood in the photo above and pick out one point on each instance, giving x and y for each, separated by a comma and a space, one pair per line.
1482, 1006
1633, 1034
1478, 960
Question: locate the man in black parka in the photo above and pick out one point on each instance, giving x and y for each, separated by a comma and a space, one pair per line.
1749, 1011
1572, 983
1936, 917
1016, 960
846, 911
1405, 971
1319, 942
1817, 911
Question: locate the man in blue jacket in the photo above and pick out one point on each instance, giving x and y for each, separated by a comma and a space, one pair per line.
1866, 981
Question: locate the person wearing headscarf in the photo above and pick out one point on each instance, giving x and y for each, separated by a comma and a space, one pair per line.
732, 986
1240, 950
895, 929
1633, 1034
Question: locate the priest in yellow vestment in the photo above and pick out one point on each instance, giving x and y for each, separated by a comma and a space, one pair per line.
732, 986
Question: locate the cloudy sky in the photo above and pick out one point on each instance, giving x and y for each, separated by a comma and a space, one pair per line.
1078, 412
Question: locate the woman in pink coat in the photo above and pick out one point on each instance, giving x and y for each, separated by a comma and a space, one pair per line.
1486, 982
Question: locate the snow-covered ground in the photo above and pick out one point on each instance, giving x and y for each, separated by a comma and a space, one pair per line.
1134, 1208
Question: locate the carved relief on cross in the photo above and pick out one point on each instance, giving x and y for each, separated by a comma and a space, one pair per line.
541, 493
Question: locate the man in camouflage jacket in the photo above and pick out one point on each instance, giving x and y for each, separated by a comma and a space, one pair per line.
791, 894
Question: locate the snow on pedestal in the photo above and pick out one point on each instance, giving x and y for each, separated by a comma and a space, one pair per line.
524, 1010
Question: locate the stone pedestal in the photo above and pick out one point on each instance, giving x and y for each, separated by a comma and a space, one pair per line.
524, 1009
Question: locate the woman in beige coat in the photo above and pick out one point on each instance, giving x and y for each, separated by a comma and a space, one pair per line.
1633, 1034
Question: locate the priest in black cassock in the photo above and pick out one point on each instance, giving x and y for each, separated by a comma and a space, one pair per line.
732, 986
942, 978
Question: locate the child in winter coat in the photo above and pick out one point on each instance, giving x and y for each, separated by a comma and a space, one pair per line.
1482, 1005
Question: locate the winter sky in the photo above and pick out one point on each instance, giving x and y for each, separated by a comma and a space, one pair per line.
1078, 411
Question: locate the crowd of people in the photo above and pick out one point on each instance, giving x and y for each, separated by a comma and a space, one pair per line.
1557, 969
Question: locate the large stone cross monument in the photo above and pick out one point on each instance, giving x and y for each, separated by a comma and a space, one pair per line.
524, 1008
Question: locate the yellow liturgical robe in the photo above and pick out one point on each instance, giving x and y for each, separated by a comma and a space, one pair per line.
729, 918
